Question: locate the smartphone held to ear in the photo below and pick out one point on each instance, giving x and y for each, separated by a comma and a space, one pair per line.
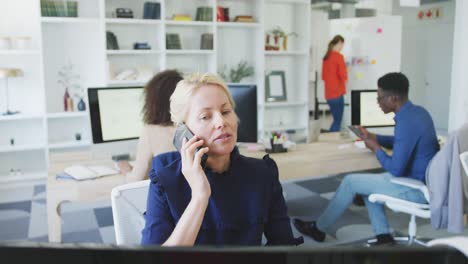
182, 131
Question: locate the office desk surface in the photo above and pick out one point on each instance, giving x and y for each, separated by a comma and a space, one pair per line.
330, 155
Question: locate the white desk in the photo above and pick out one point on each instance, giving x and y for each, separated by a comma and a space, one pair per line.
322, 158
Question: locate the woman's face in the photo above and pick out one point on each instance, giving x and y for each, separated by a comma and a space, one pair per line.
212, 118
339, 46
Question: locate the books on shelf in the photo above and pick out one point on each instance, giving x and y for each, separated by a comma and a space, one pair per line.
222, 14
151, 10
204, 14
244, 19
173, 41
59, 8
206, 41
111, 40
181, 17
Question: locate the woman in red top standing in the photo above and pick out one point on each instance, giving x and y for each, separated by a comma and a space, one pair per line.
335, 76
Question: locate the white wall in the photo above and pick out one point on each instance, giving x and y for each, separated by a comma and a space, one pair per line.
459, 90
320, 31
427, 47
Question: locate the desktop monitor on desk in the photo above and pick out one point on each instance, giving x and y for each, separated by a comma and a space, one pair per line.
245, 98
365, 110
115, 113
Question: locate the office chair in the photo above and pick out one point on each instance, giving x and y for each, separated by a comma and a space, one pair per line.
128, 206
404, 206
464, 161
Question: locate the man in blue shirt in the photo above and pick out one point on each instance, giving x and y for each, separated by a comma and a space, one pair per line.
413, 145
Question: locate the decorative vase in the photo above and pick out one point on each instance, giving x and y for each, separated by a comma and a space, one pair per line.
81, 105
285, 43
66, 97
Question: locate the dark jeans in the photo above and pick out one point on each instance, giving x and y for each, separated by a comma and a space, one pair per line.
336, 108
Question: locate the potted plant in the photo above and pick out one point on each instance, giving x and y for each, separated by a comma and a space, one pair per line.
241, 71
278, 33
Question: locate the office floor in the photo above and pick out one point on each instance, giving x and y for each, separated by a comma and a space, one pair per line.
23, 215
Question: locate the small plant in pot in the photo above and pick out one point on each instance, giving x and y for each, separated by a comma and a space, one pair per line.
278, 33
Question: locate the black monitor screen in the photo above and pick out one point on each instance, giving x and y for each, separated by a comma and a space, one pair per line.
365, 110
245, 97
115, 113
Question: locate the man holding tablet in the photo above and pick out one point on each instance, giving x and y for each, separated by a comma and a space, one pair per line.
413, 146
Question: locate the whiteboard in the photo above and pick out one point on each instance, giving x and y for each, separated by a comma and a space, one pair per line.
372, 48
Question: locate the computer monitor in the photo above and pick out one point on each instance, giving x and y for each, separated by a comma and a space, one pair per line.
245, 97
115, 113
365, 110
79, 253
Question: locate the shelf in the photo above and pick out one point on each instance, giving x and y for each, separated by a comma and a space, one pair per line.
67, 115
19, 117
238, 25
302, 2
25, 176
69, 144
246, 84
188, 52
284, 128
133, 21
283, 104
132, 52
126, 82
189, 23
17, 148
76, 20
285, 53
19, 52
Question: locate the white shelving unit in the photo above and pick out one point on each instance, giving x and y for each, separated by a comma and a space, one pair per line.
70, 144
60, 20
19, 52
133, 21
43, 126
133, 52
18, 148
67, 114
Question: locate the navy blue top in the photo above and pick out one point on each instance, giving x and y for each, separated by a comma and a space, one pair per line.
246, 201
414, 144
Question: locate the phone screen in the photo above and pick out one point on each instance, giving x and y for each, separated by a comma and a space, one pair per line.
182, 131
356, 131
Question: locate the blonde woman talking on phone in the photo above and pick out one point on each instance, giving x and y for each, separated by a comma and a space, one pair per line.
232, 200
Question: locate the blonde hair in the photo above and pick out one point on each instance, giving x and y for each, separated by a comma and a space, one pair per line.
186, 88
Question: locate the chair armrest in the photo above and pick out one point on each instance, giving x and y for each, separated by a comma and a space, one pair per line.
382, 198
408, 182
458, 242
412, 183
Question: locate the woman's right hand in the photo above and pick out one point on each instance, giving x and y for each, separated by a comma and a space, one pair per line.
191, 167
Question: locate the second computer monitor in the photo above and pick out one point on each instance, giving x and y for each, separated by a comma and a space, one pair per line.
115, 113
365, 110
245, 98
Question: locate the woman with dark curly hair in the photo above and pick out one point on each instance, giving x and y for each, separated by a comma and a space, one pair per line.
158, 131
